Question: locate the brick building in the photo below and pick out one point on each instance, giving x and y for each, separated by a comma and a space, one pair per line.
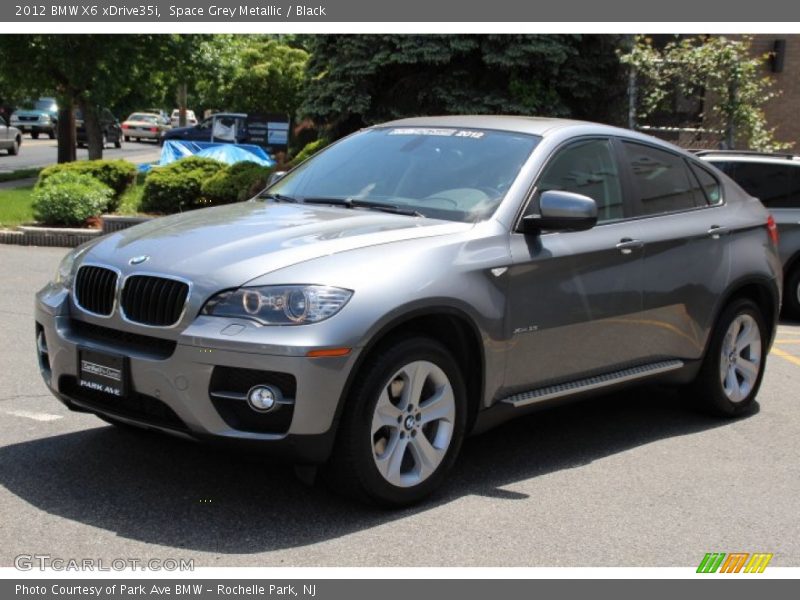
783, 112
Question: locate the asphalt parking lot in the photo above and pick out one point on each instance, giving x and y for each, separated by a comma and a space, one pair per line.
43, 152
631, 479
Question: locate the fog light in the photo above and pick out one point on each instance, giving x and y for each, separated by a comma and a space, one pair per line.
262, 398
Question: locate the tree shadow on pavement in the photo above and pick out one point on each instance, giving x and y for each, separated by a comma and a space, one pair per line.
174, 493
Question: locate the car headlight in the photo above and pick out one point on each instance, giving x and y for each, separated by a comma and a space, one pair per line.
44, 118
66, 268
279, 304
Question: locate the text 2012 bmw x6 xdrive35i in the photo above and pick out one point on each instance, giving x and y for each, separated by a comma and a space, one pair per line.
417, 281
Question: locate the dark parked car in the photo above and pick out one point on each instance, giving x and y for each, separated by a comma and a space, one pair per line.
10, 138
775, 180
110, 126
413, 283
37, 117
220, 127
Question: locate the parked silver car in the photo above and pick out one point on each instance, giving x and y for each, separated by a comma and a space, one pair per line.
415, 282
10, 138
775, 180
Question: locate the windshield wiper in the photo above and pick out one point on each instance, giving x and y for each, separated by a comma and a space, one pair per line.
277, 197
357, 203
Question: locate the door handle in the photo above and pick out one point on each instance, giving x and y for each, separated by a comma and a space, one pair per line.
628, 245
717, 230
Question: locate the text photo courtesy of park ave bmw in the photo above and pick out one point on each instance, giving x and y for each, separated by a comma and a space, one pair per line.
485, 301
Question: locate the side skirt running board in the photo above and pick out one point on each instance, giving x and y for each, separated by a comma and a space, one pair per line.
591, 383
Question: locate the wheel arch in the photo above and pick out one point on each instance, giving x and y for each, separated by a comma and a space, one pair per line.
448, 325
761, 290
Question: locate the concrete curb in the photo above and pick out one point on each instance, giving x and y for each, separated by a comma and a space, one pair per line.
48, 236
64, 237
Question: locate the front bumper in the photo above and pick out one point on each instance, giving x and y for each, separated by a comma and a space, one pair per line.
33, 126
170, 381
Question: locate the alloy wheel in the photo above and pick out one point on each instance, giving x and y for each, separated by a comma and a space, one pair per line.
412, 424
740, 360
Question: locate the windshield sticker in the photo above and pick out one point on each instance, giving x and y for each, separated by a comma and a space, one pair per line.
422, 131
465, 133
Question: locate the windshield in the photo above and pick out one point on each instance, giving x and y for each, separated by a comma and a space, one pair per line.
45, 105
446, 173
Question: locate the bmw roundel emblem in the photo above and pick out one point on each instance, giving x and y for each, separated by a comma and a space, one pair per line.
137, 260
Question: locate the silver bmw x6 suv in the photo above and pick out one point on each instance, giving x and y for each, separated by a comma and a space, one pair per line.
415, 282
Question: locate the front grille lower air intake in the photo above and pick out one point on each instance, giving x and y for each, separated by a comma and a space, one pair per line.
154, 301
95, 289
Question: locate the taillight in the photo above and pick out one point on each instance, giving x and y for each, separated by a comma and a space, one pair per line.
772, 229
124, 126
154, 129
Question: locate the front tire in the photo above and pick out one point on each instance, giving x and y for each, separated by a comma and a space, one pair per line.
403, 425
35, 135
14, 150
733, 367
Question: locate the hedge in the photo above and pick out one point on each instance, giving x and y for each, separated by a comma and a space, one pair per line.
69, 198
178, 186
236, 183
118, 175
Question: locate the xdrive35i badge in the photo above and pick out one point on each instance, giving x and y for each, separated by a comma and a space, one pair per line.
137, 260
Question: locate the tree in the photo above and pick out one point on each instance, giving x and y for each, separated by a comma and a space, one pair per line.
721, 73
87, 71
268, 78
358, 80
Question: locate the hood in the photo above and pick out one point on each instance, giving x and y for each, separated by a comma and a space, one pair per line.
229, 245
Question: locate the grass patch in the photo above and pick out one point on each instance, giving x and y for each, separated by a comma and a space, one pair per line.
20, 174
130, 201
15, 206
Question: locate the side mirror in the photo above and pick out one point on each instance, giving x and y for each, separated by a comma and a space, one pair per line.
275, 177
562, 211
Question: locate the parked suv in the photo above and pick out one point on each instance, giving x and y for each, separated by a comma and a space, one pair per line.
775, 180
37, 117
415, 282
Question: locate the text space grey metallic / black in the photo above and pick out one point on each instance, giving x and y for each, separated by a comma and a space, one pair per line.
415, 282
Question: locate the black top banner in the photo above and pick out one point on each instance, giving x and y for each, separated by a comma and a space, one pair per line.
467, 11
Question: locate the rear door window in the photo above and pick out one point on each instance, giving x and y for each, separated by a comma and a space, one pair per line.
662, 180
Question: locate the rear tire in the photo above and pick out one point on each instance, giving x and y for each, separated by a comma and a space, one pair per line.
791, 293
52, 134
402, 426
35, 135
127, 138
118, 143
733, 367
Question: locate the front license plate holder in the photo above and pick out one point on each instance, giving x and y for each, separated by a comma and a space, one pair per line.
103, 372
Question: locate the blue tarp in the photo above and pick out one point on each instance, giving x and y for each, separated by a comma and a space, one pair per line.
226, 153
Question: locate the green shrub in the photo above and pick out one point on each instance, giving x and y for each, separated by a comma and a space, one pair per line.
119, 175
177, 186
236, 183
69, 198
309, 150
